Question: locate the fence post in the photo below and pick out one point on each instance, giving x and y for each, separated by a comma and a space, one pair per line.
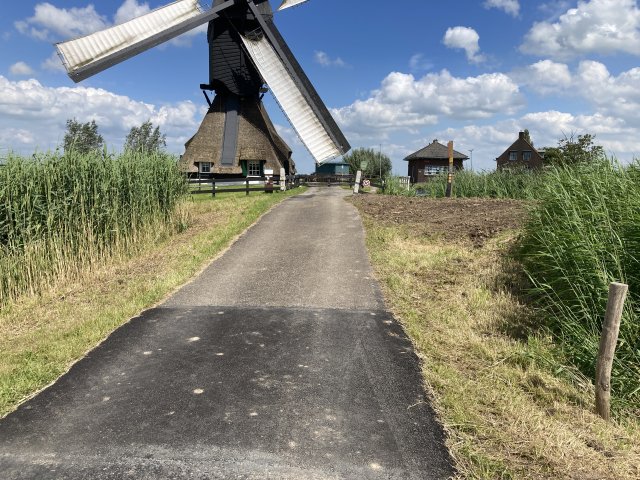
213, 186
283, 180
608, 341
450, 175
356, 185
247, 185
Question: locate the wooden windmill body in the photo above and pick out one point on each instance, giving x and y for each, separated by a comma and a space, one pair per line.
246, 52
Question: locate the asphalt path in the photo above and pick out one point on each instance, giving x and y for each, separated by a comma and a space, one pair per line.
278, 362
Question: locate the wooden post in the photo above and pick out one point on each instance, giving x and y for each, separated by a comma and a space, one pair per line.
608, 341
356, 185
283, 180
247, 186
213, 186
450, 176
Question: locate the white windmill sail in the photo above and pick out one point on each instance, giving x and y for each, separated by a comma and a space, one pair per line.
83, 52
290, 3
292, 101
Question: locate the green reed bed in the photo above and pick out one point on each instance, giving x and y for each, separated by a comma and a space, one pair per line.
62, 213
520, 185
583, 234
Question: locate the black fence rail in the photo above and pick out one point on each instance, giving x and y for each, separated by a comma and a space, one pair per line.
208, 184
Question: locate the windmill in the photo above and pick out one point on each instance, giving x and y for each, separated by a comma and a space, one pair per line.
246, 51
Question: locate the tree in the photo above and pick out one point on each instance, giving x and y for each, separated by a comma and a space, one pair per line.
527, 136
145, 139
82, 137
574, 151
375, 162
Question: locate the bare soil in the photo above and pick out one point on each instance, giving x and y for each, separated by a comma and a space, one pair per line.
464, 219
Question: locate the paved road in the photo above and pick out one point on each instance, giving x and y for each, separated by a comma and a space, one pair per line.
278, 362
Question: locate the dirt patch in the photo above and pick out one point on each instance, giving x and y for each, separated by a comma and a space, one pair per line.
472, 219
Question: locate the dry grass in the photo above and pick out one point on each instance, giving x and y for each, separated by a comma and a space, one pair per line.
512, 410
42, 336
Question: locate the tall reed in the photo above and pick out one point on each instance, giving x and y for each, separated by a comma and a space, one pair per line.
584, 233
521, 185
62, 213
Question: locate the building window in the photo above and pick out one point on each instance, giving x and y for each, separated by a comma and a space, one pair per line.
526, 156
513, 156
205, 167
253, 169
435, 170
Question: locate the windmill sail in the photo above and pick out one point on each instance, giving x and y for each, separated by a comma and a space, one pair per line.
294, 93
290, 3
302, 117
91, 54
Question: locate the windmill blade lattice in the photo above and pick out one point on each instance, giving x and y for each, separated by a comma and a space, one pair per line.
85, 56
291, 3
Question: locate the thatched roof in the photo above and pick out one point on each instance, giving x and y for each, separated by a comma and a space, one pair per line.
257, 140
435, 151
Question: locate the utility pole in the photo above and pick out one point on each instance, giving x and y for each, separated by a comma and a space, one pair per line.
471, 153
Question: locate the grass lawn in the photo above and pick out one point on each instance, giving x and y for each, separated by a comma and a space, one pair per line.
512, 406
42, 336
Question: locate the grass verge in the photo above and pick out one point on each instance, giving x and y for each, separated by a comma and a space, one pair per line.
42, 336
511, 407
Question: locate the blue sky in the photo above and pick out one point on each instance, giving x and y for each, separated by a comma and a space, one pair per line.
395, 75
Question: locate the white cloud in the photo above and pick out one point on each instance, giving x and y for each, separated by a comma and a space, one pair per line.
40, 114
16, 136
129, 10
608, 94
50, 23
545, 77
325, 60
53, 64
619, 96
464, 38
404, 102
21, 69
594, 26
53, 23
512, 7
418, 62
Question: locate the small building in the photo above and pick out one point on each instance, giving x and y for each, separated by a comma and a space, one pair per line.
333, 167
521, 154
432, 160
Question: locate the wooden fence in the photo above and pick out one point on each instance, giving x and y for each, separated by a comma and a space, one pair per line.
208, 184
324, 179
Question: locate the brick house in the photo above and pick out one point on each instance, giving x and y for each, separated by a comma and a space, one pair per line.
432, 160
521, 154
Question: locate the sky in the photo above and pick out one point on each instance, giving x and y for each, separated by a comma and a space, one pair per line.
395, 75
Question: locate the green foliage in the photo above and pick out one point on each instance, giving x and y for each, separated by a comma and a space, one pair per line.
583, 234
145, 139
376, 162
574, 151
59, 213
520, 184
527, 136
82, 138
